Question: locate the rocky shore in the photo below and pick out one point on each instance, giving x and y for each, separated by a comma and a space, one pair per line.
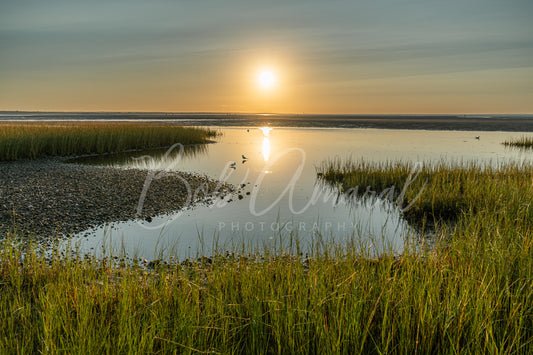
47, 198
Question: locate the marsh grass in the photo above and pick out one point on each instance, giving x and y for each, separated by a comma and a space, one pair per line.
521, 142
442, 192
467, 297
35, 139
483, 219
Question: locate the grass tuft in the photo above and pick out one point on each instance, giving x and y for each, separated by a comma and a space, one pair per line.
521, 142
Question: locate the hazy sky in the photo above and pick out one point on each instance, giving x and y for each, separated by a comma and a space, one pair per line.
372, 56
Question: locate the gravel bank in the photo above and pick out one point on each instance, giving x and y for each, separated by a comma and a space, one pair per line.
48, 198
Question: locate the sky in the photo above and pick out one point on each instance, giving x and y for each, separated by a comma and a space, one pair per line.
352, 57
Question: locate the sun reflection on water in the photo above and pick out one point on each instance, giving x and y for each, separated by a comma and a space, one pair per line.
266, 142
266, 148
266, 131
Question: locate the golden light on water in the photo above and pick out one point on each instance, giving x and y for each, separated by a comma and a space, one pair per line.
266, 142
266, 148
266, 131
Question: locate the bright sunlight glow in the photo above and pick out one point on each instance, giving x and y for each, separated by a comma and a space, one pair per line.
266, 79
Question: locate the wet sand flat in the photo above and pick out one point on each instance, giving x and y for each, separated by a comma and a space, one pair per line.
505, 123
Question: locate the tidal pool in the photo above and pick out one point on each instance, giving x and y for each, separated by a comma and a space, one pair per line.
281, 202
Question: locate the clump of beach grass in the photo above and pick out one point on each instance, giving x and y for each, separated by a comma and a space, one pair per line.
30, 140
520, 142
441, 192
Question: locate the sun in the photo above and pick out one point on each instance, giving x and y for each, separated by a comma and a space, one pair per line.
266, 79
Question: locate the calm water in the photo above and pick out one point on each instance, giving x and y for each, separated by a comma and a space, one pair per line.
285, 198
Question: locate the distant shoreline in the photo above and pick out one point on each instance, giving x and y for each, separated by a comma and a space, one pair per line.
500, 122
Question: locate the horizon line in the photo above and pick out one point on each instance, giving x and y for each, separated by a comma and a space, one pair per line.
262, 113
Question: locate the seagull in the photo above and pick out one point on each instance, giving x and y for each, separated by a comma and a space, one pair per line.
477, 137
243, 157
